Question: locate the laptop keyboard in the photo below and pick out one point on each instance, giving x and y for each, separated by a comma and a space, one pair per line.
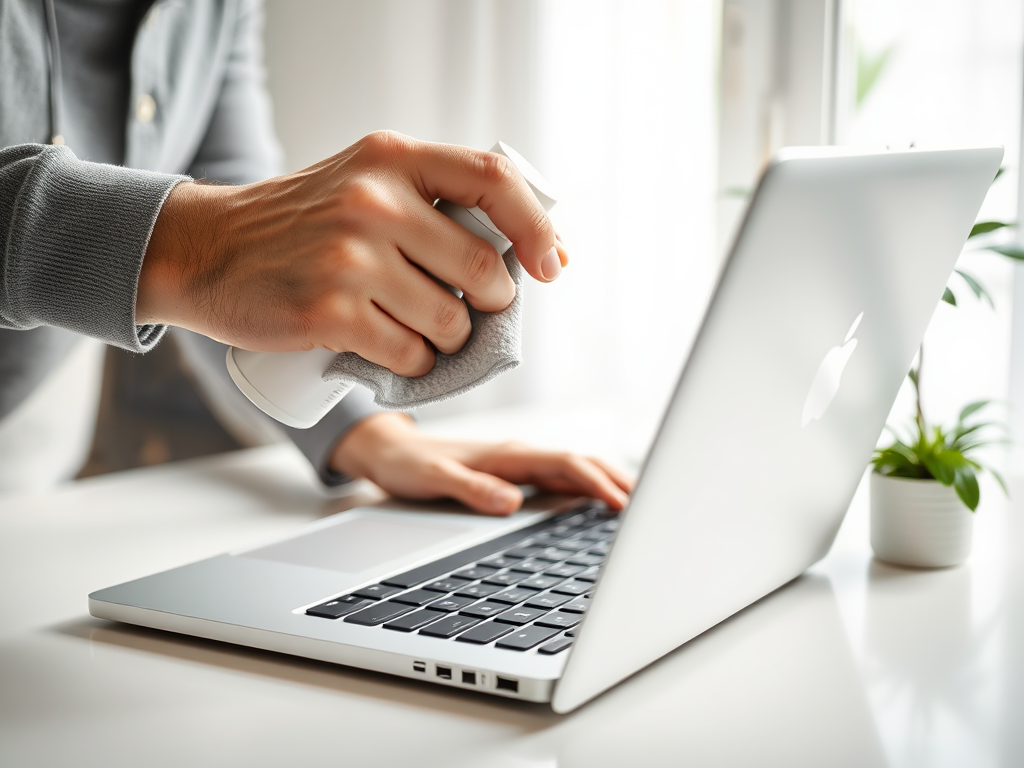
522, 591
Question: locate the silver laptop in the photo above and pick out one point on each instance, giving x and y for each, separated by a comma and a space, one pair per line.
835, 273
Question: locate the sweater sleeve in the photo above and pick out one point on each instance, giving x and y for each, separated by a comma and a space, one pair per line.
72, 238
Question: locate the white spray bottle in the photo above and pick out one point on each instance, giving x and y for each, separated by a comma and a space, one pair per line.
290, 386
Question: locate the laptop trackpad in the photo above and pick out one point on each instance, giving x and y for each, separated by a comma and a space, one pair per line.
358, 543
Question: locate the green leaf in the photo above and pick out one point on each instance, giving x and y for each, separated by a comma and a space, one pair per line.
972, 408
943, 466
948, 297
978, 288
966, 486
1010, 251
984, 227
1000, 172
999, 479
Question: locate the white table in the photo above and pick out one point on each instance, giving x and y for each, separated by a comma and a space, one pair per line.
854, 664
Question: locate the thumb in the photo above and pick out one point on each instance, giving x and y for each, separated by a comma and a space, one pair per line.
478, 490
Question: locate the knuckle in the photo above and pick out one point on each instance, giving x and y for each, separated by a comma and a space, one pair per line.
494, 169
451, 319
361, 198
386, 144
480, 265
408, 358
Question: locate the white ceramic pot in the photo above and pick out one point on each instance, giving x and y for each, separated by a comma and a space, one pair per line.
918, 522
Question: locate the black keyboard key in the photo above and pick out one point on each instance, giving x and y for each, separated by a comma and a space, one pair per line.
416, 597
453, 603
565, 571
445, 585
482, 634
541, 582
556, 647
560, 620
525, 639
440, 567
377, 591
378, 614
585, 559
574, 545
600, 549
579, 605
590, 574
478, 590
548, 600
472, 574
573, 588
514, 595
530, 566
449, 626
340, 606
520, 616
597, 535
555, 555
521, 553
611, 526
485, 610
413, 621
498, 562
506, 579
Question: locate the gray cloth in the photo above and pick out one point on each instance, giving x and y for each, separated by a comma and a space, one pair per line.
494, 347
73, 233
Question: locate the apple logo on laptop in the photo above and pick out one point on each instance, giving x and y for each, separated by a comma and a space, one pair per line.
826, 380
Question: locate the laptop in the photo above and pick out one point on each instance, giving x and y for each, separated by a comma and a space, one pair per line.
817, 314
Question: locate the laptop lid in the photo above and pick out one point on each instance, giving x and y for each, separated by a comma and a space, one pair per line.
839, 264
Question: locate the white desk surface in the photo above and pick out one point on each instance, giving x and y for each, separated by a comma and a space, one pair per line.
854, 664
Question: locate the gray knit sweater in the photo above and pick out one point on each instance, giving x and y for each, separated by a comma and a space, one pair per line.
148, 101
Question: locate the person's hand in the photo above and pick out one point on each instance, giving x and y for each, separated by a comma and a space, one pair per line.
340, 255
388, 449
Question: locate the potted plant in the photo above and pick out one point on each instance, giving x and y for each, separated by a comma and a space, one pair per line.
924, 484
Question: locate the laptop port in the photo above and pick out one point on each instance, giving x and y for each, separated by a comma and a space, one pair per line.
445, 673
505, 684
419, 666
468, 678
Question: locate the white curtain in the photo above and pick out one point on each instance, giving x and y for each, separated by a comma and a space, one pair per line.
614, 101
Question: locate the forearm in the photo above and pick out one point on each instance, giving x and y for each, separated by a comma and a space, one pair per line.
73, 236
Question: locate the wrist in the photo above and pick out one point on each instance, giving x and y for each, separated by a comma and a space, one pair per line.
183, 239
359, 450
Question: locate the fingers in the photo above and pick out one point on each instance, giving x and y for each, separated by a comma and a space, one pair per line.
456, 256
620, 478
558, 472
480, 491
418, 302
575, 474
379, 338
482, 179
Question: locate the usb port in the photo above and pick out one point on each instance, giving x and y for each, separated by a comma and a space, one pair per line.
445, 673
468, 678
419, 666
505, 684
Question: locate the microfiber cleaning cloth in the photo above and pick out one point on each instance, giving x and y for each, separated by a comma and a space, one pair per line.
494, 347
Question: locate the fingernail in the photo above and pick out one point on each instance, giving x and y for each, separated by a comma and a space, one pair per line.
502, 499
550, 265
563, 257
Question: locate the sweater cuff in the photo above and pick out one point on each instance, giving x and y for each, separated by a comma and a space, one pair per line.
78, 237
317, 443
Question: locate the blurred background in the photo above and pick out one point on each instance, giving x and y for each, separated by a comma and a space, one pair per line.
653, 120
